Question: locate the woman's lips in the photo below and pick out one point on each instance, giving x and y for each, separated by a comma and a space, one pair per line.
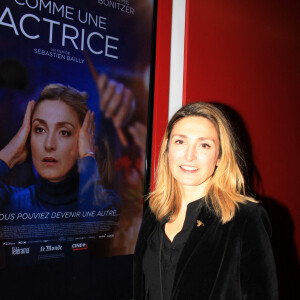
49, 161
189, 169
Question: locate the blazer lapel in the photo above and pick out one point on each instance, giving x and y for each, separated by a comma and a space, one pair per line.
149, 222
147, 227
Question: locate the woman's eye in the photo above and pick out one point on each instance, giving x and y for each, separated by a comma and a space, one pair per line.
39, 130
206, 146
179, 142
65, 133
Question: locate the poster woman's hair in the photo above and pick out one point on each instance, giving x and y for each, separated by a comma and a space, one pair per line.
70, 96
225, 189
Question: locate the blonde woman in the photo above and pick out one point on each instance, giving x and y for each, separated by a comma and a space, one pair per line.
201, 236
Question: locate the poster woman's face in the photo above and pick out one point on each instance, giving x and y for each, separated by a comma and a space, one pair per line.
54, 139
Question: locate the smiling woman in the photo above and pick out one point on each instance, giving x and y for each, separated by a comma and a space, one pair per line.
193, 155
201, 236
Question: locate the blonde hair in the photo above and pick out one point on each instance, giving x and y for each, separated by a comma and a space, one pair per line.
226, 188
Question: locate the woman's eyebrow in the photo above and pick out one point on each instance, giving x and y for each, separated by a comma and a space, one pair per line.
207, 139
178, 135
183, 136
63, 123
39, 120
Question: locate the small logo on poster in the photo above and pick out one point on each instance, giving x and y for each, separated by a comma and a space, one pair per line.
79, 246
21, 242
50, 248
19, 251
8, 243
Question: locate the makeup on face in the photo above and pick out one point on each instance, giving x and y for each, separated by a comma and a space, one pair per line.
193, 152
54, 139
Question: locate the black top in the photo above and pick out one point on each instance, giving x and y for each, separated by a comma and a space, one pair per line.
231, 261
170, 253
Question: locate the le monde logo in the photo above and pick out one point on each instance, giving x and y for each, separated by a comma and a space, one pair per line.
50, 248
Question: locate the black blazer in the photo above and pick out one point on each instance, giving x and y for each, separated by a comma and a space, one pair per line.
233, 261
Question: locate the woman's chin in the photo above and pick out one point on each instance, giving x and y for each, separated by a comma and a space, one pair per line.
52, 177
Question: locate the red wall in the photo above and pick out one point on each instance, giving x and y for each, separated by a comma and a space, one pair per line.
245, 54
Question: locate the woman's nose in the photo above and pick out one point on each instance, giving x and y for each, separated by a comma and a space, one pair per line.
50, 142
190, 153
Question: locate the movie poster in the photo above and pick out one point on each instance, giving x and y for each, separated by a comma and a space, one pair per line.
72, 181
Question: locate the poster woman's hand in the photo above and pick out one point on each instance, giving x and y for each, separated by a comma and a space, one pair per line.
86, 140
117, 101
15, 152
139, 134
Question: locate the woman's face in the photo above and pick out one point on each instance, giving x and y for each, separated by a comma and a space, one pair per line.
54, 139
193, 153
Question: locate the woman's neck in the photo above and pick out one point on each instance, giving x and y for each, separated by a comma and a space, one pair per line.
63, 192
192, 193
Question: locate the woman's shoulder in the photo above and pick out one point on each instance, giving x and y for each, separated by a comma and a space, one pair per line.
149, 219
250, 209
253, 215
17, 198
148, 214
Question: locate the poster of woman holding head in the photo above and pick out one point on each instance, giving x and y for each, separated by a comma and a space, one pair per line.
74, 97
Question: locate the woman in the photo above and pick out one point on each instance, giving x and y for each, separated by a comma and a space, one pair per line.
201, 236
60, 129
